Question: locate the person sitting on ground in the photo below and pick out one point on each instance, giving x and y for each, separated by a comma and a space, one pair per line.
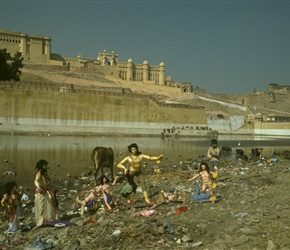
11, 202
200, 197
105, 188
89, 201
172, 196
205, 174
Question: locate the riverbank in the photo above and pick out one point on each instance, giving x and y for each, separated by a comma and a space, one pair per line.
253, 212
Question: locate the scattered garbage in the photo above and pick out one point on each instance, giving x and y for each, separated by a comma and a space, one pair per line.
168, 226
116, 233
157, 170
240, 215
26, 228
182, 209
42, 245
9, 173
24, 198
139, 190
90, 221
145, 213
274, 160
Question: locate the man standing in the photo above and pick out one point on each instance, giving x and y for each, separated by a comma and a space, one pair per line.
45, 202
134, 159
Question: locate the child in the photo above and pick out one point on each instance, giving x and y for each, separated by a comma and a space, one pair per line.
205, 174
11, 201
213, 154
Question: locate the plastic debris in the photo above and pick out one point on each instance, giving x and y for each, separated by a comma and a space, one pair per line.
116, 233
9, 173
240, 215
42, 245
182, 209
90, 221
26, 228
24, 197
145, 213
168, 226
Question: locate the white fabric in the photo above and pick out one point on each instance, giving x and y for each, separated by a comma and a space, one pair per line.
44, 210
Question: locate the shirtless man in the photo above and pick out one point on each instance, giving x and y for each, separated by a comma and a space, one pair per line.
205, 174
134, 159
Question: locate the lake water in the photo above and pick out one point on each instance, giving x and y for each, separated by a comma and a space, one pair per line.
71, 155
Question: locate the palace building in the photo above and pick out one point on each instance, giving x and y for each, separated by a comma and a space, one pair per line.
37, 50
108, 63
34, 49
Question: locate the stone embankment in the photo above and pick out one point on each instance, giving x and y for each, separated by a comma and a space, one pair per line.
216, 106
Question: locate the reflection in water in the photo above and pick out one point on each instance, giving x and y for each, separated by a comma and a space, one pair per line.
71, 155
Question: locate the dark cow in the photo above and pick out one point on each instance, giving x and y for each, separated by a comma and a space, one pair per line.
240, 155
226, 151
255, 153
102, 158
286, 154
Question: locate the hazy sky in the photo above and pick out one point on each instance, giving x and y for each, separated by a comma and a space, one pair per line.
227, 47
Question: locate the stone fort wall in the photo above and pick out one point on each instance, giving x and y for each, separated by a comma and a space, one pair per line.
51, 108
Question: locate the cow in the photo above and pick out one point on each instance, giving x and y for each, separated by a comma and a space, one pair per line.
226, 151
240, 155
102, 158
255, 153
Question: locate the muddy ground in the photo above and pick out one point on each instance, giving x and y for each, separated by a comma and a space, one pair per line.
254, 213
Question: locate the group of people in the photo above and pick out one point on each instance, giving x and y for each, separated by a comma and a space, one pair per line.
45, 200
45, 197
133, 170
134, 159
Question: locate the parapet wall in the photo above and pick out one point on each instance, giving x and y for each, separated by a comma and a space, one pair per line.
47, 67
51, 108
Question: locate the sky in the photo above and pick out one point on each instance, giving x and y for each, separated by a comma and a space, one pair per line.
226, 47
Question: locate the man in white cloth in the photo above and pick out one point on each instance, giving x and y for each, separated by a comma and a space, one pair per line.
45, 202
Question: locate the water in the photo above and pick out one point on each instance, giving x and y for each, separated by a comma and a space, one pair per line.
71, 155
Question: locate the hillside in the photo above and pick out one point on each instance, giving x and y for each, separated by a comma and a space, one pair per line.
96, 81
259, 101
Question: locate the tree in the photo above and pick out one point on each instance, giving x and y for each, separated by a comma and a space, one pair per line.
10, 66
